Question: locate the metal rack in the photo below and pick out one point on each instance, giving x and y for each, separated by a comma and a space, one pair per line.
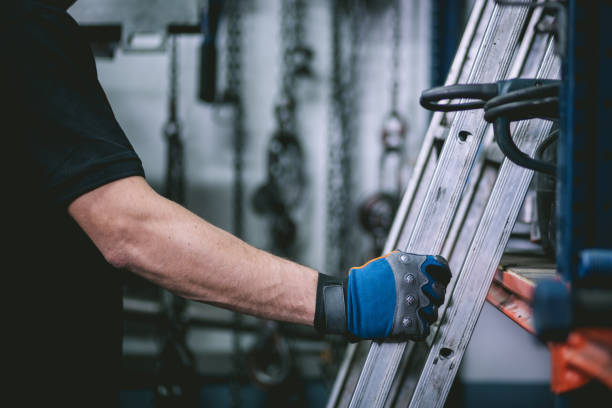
586, 353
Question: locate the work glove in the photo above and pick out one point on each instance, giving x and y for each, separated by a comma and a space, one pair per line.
395, 297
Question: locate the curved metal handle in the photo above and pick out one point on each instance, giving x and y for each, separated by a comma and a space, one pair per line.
480, 92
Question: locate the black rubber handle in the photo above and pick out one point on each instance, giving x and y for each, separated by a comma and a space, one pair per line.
545, 108
481, 92
540, 101
522, 99
501, 129
549, 88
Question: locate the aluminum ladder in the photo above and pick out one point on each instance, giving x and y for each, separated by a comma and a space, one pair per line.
462, 202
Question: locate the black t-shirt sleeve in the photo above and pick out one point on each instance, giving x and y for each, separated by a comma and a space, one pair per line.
71, 138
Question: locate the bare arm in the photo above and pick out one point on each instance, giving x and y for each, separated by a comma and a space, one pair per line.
137, 229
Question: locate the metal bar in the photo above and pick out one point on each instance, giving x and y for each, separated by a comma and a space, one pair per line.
446, 188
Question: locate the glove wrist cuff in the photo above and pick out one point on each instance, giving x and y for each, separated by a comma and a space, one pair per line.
330, 311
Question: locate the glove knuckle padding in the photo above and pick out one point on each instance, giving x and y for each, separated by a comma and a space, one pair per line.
410, 282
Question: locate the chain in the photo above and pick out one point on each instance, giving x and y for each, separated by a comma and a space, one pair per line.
176, 365
376, 212
175, 174
350, 129
395, 52
335, 191
296, 57
284, 187
300, 13
233, 95
342, 128
395, 126
285, 109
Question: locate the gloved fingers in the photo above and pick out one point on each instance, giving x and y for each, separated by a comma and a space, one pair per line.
429, 314
435, 293
437, 267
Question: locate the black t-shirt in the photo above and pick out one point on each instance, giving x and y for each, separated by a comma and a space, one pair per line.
62, 297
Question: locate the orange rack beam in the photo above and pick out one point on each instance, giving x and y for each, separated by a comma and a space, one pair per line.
587, 353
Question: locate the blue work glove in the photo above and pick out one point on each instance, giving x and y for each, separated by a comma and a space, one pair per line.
395, 296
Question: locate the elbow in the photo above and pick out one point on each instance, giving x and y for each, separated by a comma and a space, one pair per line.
118, 256
117, 246
114, 216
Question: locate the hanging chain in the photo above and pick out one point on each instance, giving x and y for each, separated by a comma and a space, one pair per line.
284, 187
336, 188
175, 174
284, 151
350, 130
394, 128
177, 363
296, 58
285, 108
342, 130
335, 191
377, 211
233, 95
395, 52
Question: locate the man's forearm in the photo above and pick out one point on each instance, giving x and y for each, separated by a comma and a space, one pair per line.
137, 229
